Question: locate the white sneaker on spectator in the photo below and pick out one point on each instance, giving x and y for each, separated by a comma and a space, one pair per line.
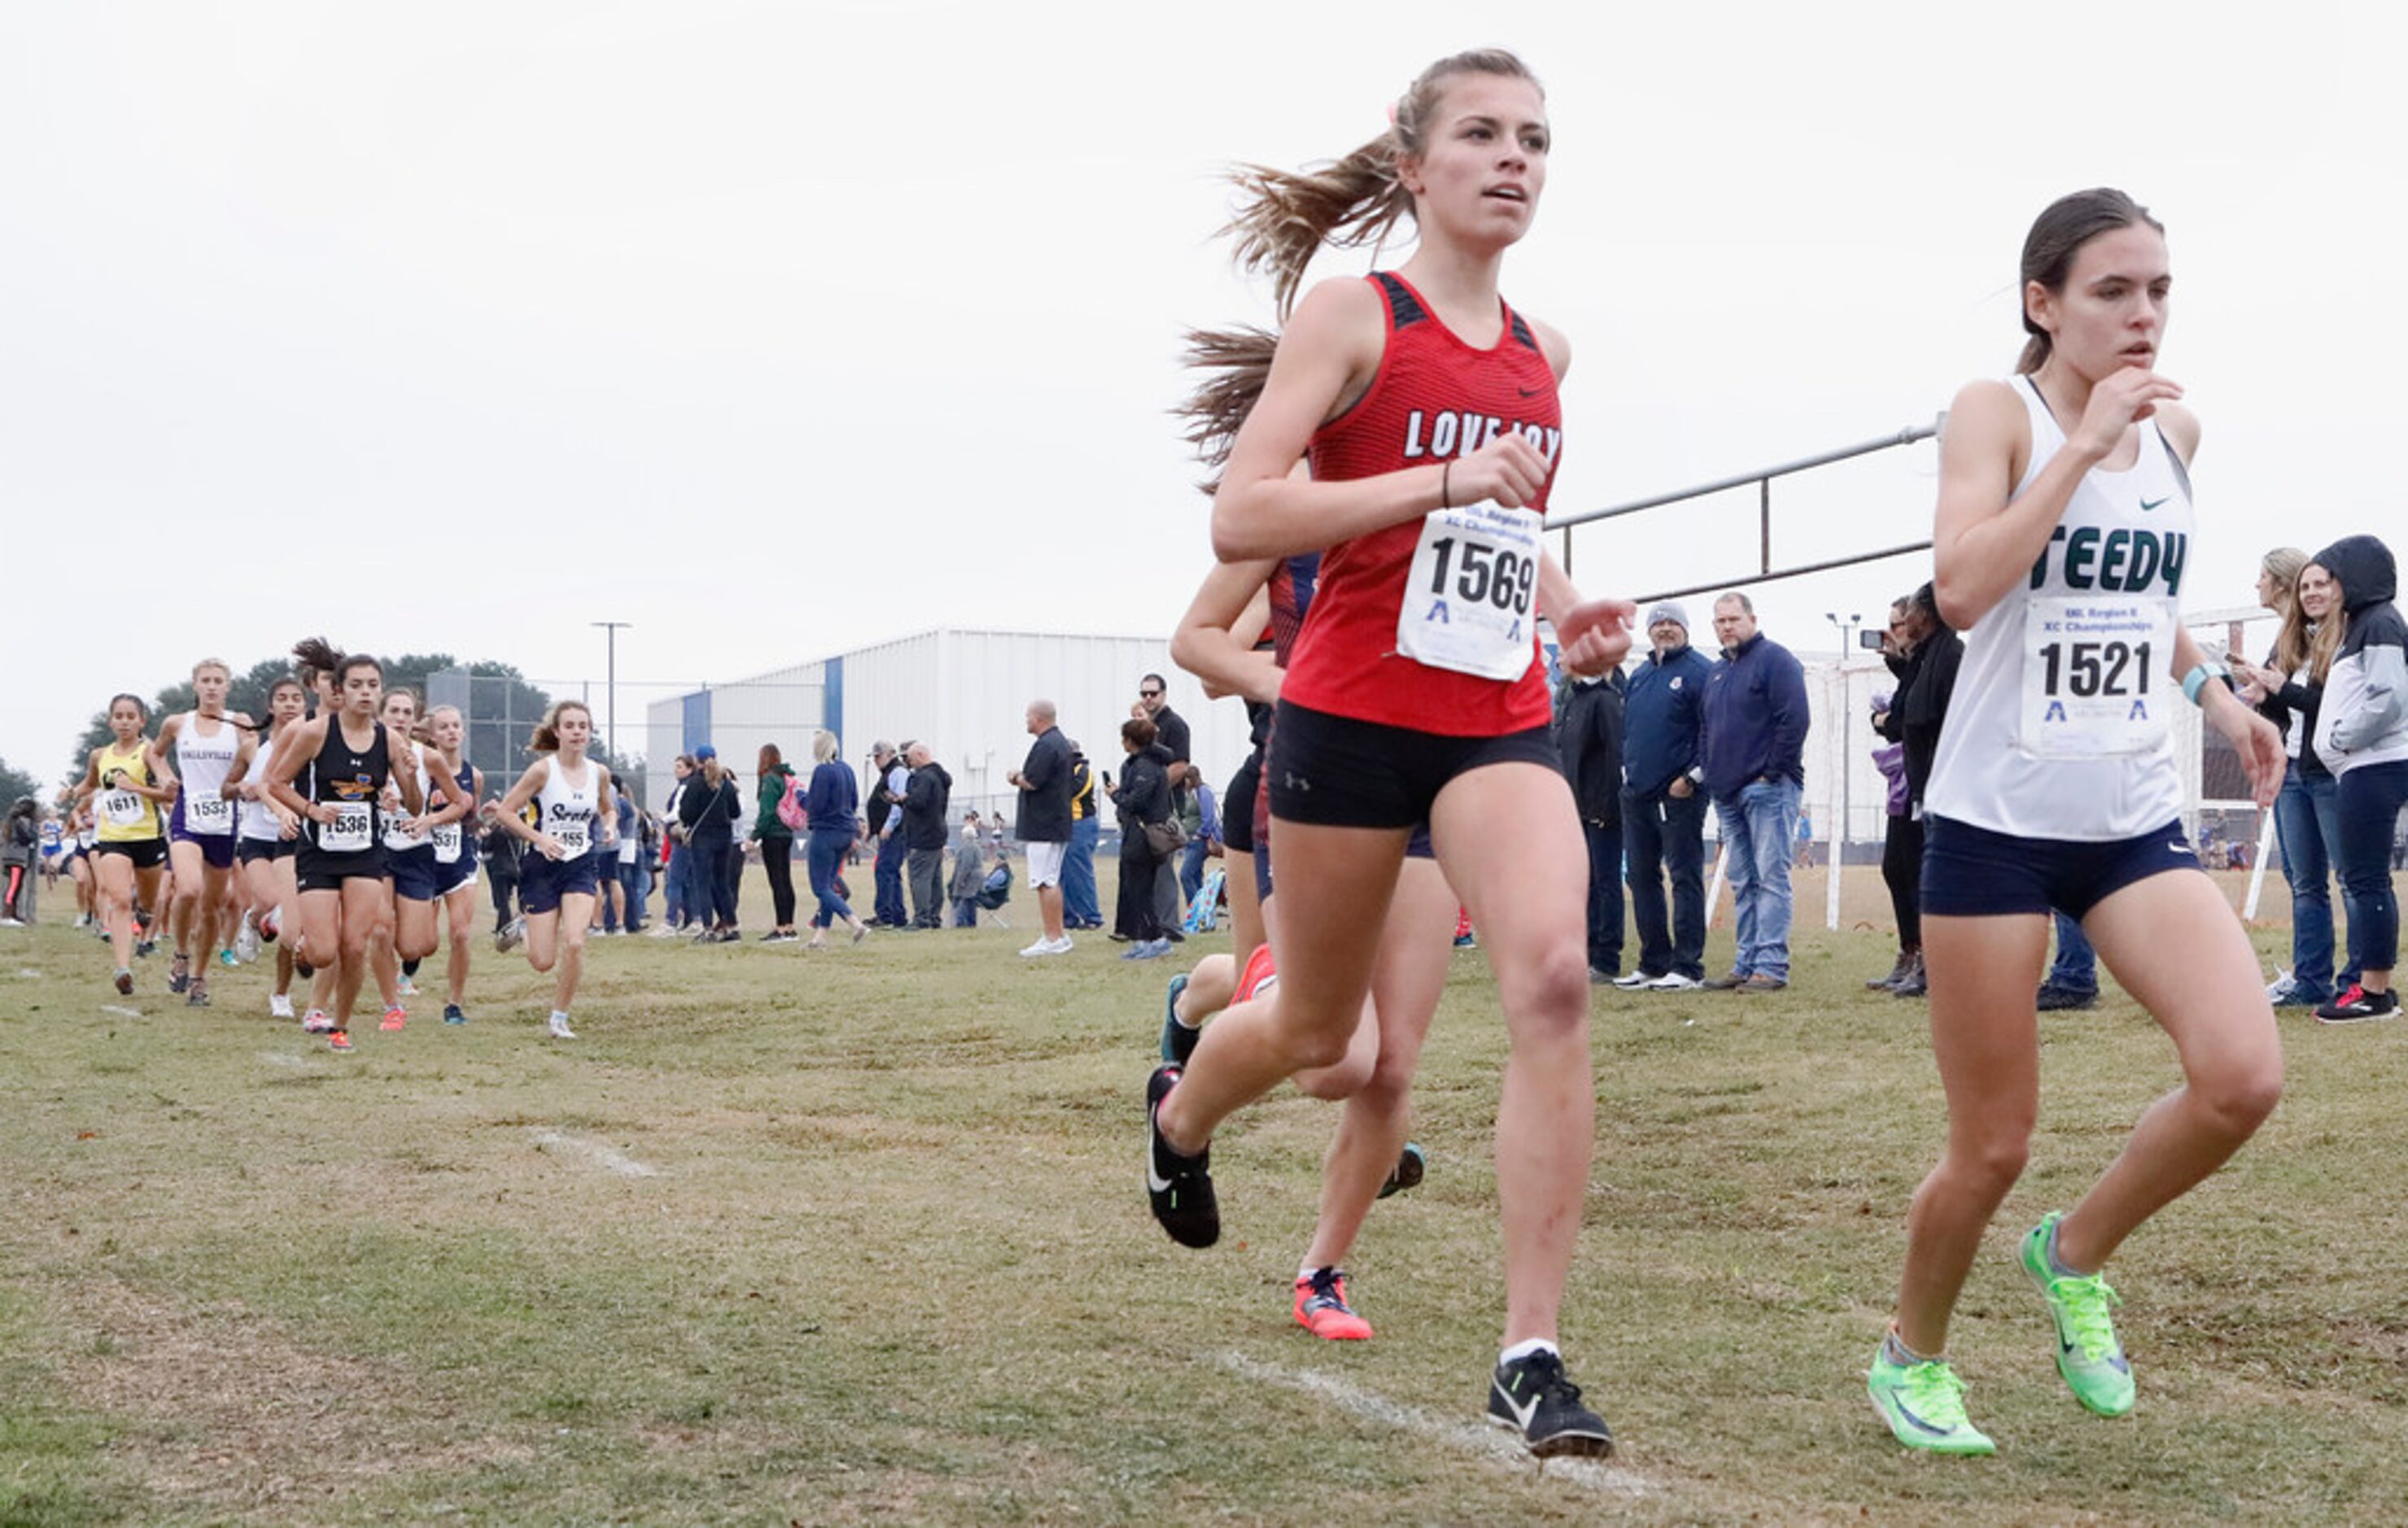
1048, 947
1674, 981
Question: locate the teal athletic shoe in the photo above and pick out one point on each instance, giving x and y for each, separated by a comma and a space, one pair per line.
1924, 1406
2088, 1353
1178, 1040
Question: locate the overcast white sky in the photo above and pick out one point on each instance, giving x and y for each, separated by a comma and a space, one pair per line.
780, 329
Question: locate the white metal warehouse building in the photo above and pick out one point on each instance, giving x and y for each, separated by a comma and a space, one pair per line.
961, 692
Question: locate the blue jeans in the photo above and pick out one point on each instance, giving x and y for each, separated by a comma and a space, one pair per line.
1661, 840
2307, 824
2370, 799
1080, 908
887, 871
1758, 827
1604, 897
687, 903
827, 852
637, 876
1191, 867
2077, 964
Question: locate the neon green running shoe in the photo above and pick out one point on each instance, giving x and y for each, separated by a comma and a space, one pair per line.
2088, 1353
1925, 1407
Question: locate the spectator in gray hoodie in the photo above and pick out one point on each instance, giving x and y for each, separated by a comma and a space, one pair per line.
2362, 737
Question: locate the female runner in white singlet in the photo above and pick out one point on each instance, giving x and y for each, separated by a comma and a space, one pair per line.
2062, 536
576, 820
266, 833
198, 748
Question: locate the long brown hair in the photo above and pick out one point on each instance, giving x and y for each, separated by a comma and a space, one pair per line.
546, 738
2323, 645
1286, 217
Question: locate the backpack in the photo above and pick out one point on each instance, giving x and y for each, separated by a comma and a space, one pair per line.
790, 805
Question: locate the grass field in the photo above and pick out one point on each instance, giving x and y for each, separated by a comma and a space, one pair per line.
808, 1238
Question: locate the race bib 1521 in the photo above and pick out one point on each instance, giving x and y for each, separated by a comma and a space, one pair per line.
2095, 675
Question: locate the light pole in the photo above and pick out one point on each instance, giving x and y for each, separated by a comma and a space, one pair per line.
1847, 630
610, 691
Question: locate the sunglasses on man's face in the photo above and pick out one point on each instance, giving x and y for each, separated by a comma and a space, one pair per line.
1149, 694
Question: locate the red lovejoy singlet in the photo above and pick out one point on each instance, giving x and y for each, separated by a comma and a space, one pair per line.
1435, 398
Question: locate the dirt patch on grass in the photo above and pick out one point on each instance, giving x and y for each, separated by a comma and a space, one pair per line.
232, 1412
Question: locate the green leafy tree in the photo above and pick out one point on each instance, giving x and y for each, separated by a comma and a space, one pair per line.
15, 785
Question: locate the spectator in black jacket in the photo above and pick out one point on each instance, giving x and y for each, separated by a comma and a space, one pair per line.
709, 810
926, 798
1043, 823
1171, 736
500, 851
1143, 797
1926, 679
1589, 734
2307, 812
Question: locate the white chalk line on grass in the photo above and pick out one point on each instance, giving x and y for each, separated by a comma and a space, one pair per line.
282, 1058
1490, 1444
595, 1152
30, 975
122, 1013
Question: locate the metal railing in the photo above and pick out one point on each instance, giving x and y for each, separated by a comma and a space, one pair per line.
1765, 572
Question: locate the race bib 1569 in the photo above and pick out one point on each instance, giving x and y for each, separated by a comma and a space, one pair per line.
1467, 602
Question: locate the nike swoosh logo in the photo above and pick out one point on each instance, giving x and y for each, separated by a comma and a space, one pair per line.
1910, 1416
1529, 391
2179, 848
2147, 505
1522, 1414
1153, 1183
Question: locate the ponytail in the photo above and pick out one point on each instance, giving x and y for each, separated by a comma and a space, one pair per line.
1286, 217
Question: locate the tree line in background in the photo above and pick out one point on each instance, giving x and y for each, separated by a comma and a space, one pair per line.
503, 711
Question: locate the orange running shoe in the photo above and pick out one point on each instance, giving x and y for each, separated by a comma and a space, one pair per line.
1321, 1307
339, 1039
394, 1017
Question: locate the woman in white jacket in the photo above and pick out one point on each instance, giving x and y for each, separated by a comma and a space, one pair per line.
2362, 736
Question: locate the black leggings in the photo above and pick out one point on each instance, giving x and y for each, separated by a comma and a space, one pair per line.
1133, 915
778, 862
1902, 872
505, 888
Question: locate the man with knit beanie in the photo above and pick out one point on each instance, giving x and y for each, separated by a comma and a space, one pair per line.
1663, 808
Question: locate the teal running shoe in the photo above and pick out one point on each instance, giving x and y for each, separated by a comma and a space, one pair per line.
2088, 1353
1924, 1406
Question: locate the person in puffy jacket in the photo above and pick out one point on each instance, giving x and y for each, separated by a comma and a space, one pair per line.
2362, 736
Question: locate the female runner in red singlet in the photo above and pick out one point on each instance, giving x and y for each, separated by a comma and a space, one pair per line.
1428, 409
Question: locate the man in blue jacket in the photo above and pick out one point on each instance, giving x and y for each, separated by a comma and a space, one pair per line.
1663, 808
1755, 749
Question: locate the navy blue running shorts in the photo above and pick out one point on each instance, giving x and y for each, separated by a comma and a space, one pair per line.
543, 882
1970, 872
414, 871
